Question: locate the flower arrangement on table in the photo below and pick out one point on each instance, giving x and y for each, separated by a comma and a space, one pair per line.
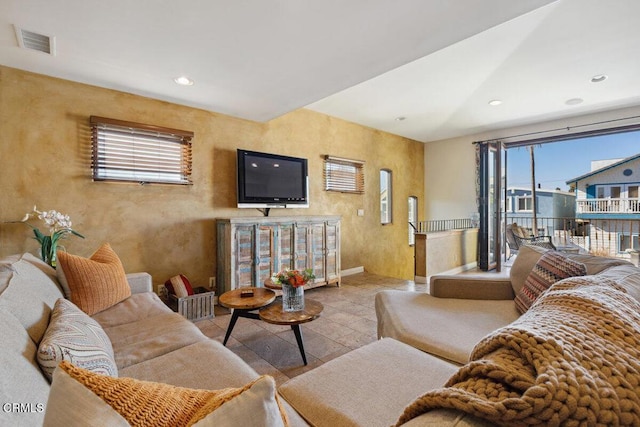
293, 282
294, 278
59, 227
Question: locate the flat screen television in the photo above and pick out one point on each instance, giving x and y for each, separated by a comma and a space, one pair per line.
271, 181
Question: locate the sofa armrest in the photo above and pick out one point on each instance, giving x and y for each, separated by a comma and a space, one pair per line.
140, 282
471, 287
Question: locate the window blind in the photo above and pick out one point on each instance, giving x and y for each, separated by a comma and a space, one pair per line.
127, 151
343, 175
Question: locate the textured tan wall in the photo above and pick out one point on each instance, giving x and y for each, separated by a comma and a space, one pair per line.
164, 229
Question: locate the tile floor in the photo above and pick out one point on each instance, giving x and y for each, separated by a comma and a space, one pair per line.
348, 321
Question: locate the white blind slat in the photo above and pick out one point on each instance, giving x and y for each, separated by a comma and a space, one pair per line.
123, 152
344, 175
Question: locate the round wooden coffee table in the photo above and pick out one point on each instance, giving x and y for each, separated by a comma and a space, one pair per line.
274, 314
243, 306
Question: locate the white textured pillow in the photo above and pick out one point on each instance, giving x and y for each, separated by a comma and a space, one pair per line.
74, 336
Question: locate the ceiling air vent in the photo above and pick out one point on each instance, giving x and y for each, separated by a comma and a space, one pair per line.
34, 41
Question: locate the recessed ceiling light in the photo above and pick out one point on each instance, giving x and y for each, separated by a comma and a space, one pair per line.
495, 102
401, 118
599, 78
183, 81
574, 101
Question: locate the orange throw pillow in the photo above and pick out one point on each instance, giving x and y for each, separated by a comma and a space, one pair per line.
96, 283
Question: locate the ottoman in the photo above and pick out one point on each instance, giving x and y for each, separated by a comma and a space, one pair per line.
369, 386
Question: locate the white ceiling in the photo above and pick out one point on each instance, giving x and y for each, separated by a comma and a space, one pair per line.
435, 62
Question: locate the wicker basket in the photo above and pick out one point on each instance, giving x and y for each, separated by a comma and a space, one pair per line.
194, 307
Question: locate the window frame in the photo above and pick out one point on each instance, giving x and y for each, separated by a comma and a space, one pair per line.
386, 213
124, 151
524, 198
343, 175
412, 212
634, 242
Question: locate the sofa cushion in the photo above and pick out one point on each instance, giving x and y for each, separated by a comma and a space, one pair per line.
184, 367
552, 266
96, 283
527, 258
447, 418
369, 386
21, 380
520, 231
29, 292
136, 307
74, 336
446, 327
151, 337
627, 276
597, 264
126, 400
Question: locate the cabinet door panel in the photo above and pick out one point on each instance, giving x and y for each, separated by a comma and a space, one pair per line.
302, 259
265, 253
245, 244
318, 252
332, 250
285, 247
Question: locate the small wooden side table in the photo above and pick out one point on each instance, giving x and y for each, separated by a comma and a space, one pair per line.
274, 314
243, 306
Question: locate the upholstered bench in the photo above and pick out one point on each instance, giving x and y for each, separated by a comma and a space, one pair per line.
365, 387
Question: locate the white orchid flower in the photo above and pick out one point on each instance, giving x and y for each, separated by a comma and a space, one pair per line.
59, 228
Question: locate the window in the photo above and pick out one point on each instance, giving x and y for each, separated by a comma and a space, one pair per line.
413, 219
343, 175
626, 241
524, 203
385, 197
125, 151
634, 202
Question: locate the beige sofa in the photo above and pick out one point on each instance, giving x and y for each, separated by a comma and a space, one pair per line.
150, 342
460, 310
369, 386
424, 340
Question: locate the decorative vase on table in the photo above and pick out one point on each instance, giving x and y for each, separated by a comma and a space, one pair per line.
292, 298
292, 282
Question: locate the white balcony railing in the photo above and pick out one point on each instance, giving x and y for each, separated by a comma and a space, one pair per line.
608, 206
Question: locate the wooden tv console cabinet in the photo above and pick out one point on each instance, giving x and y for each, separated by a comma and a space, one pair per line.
251, 249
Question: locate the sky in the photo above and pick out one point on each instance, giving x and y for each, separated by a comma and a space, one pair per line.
560, 161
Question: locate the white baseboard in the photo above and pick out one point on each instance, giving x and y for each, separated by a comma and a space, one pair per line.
457, 270
462, 268
351, 271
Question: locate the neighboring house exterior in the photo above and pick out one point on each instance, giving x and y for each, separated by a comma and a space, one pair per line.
553, 207
608, 206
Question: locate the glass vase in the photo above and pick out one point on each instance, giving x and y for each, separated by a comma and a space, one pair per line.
292, 298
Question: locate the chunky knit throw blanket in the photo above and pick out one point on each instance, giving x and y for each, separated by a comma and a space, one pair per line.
572, 359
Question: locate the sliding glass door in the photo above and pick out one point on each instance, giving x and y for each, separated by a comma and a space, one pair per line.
489, 204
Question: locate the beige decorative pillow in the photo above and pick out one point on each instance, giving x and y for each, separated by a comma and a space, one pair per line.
99, 400
76, 337
94, 283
